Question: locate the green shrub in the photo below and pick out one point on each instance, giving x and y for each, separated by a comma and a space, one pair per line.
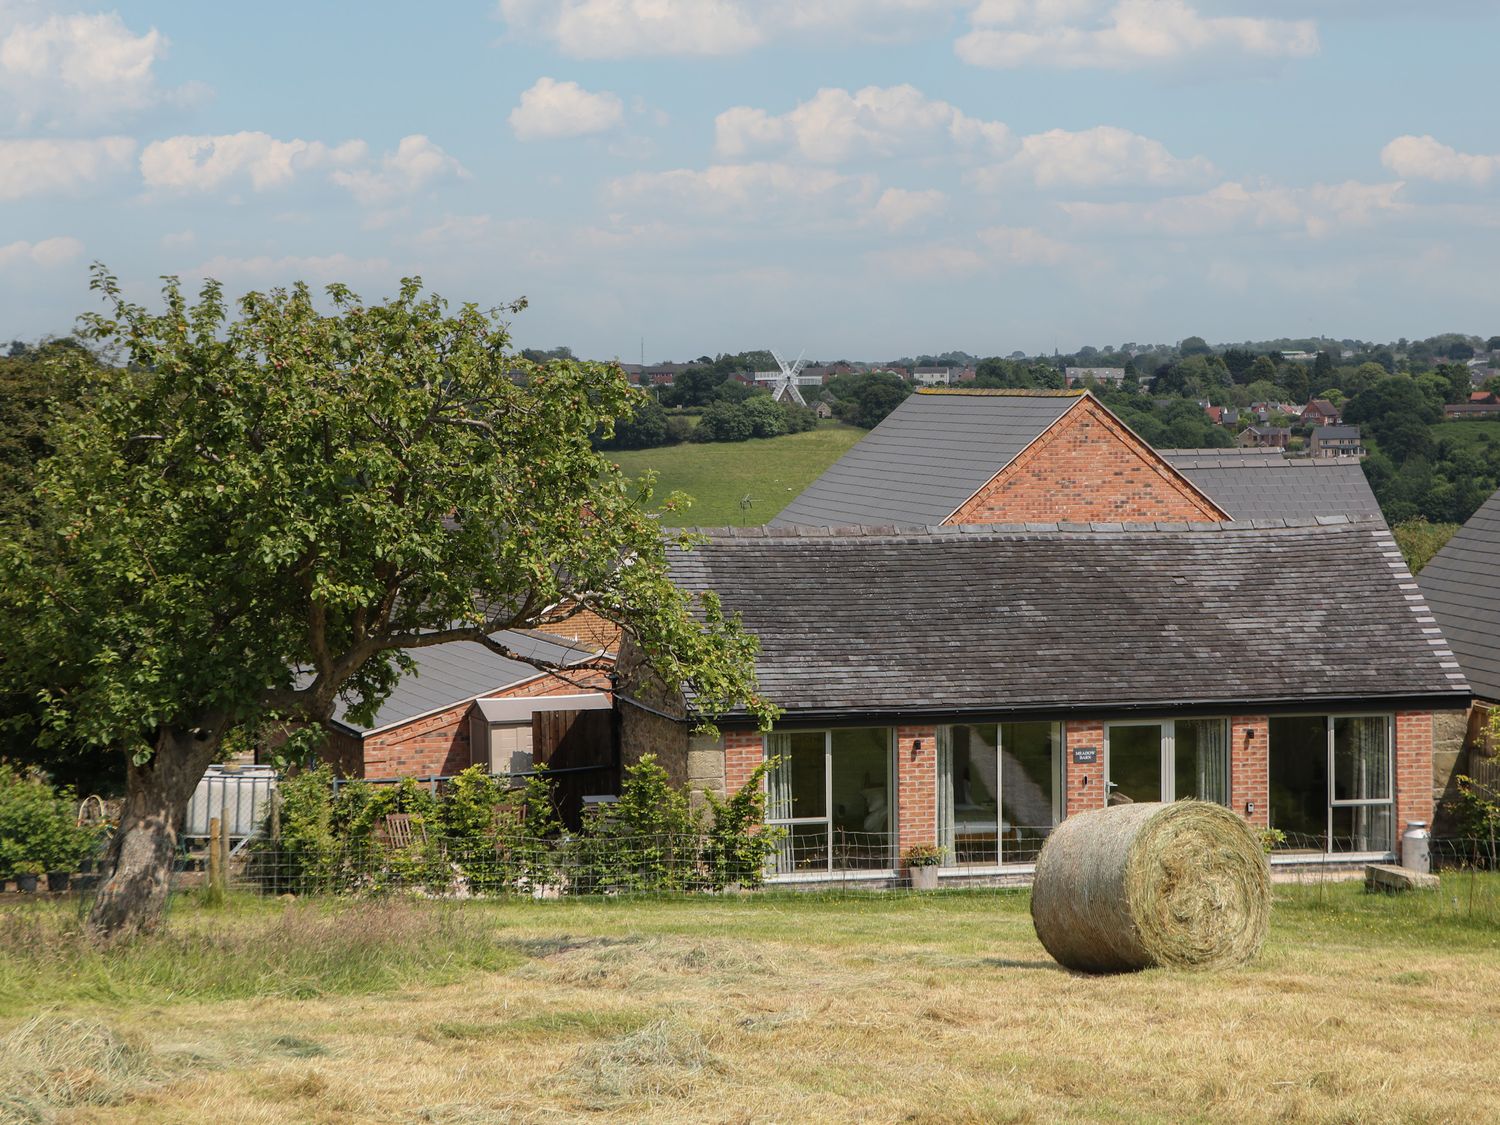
739, 843
38, 826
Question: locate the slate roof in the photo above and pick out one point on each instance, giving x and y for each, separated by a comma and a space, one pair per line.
452, 673
1462, 584
1054, 618
926, 458
1252, 484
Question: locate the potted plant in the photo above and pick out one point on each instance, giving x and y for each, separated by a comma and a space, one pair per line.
27, 872
922, 862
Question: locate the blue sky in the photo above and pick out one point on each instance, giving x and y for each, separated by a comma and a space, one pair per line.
859, 178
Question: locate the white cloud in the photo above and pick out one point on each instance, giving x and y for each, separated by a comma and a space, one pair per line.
204, 163
46, 167
208, 163
416, 164
314, 269
625, 28
47, 253
898, 208
744, 189
79, 68
551, 109
1427, 158
1131, 33
836, 125
1317, 210
1024, 246
1104, 155
179, 239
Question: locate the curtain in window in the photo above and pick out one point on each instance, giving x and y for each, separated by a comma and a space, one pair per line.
1212, 757
779, 780
1361, 759
945, 795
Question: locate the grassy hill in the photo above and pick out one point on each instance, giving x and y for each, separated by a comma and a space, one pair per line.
769, 471
1467, 432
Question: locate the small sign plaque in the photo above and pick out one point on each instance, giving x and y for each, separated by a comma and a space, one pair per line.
1085, 755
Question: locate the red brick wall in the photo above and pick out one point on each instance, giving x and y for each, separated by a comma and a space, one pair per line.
1084, 782
1413, 769
743, 751
1249, 778
1087, 467
916, 786
439, 744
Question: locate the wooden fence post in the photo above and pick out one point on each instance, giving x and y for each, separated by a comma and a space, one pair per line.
215, 834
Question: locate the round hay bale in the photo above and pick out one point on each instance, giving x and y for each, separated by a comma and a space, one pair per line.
1184, 885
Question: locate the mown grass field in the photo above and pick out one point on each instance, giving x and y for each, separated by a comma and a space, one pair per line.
893, 1007
770, 471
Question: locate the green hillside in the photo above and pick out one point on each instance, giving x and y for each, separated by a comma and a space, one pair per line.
1468, 432
719, 476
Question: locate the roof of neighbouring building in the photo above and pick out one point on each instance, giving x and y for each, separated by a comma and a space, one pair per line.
1337, 433
1037, 618
927, 457
1253, 484
458, 671
1462, 584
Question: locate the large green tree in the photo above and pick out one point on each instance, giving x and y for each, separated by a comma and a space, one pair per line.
264, 509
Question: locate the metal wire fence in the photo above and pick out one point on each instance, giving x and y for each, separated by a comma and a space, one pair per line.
516, 867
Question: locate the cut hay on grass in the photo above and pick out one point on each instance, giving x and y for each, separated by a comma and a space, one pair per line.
1182, 885
662, 1060
50, 1063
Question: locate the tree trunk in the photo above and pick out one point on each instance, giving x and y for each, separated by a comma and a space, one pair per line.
140, 858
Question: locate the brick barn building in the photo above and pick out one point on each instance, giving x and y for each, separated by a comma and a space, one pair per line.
998, 610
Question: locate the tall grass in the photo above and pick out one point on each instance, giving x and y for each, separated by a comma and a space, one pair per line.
249, 949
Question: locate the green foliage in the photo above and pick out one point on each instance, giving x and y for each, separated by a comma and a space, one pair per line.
645, 841
865, 398
1420, 540
38, 827
923, 855
739, 844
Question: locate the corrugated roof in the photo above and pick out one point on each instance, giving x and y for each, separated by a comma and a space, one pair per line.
1462, 584
926, 458
1068, 617
451, 673
1265, 484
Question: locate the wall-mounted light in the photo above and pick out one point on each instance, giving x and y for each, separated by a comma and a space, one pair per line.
1249, 808
916, 747
1249, 732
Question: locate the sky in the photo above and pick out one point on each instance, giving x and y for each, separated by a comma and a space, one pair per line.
860, 179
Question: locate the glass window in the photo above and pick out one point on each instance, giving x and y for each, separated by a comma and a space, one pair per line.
1201, 759
998, 790
1030, 761
832, 791
1331, 782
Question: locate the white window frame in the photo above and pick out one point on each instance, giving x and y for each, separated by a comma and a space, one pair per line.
826, 820
1059, 783
1169, 753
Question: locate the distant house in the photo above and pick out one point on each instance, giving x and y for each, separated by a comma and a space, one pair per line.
823, 410
1264, 437
1112, 376
1472, 409
932, 376
1321, 412
1483, 398
1215, 414
1335, 441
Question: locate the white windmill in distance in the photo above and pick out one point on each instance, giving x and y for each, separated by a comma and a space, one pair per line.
786, 387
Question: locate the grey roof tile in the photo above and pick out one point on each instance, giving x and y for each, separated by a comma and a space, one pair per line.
1044, 618
1462, 585
1253, 484
451, 673
930, 454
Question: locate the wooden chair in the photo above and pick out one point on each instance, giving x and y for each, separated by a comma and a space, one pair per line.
400, 832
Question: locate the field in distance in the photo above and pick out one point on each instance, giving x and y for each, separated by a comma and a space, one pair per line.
722, 476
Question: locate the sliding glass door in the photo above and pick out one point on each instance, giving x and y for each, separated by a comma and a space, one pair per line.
999, 789
833, 792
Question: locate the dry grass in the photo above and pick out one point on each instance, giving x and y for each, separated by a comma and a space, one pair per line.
883, 1008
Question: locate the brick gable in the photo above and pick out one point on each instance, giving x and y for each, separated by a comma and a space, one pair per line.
1087, 467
